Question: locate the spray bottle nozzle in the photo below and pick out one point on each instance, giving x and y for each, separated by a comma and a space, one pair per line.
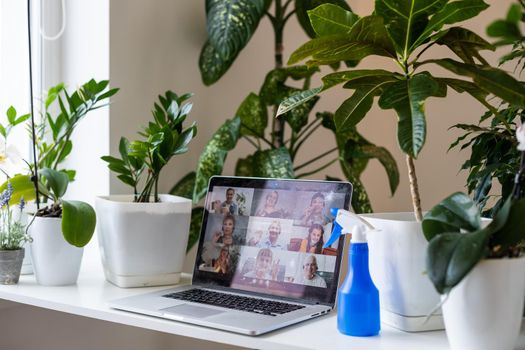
346, 222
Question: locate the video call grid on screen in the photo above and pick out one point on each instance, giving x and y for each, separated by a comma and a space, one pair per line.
267, 236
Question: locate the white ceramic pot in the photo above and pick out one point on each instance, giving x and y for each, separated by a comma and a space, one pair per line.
143, 244
484, 311
397, 266
55, 261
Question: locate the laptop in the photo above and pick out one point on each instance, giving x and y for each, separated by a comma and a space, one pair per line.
260, 262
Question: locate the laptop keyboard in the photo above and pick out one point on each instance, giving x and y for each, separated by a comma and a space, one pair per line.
236, 302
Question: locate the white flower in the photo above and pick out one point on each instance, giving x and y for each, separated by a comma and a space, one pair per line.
11, 162
520, 135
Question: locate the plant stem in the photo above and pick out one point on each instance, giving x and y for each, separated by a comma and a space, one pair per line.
304, 138
414, 189
278, 27
315, 159
250, 141
34, 178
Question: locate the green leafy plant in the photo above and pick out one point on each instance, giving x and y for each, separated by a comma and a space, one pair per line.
13, 233
164, 137
494, 155
458, 240
78, 218
401, 31
276, 142
62, 113
54, 131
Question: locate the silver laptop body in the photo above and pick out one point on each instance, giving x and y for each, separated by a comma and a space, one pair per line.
260, 239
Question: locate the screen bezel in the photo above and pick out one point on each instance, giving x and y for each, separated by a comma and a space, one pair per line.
212, 280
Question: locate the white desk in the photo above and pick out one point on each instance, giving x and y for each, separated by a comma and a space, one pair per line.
88, 299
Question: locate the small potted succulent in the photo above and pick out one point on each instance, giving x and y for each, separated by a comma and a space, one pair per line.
143, 237
479, 269
13, 236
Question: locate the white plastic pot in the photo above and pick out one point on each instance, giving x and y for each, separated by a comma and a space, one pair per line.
143, 244
484, 311
397, 266
55, 261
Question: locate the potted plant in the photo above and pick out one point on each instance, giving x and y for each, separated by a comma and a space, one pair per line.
273, 146
143, 237
401, 31
60, 231
480, 271
494, 156
62, 228
13, 236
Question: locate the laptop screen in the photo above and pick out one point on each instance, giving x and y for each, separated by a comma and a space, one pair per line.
266, 236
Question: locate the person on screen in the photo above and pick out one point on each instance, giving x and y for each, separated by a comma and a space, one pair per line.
220, 239
270, 209
309, 276
222, 264
265, 267
314, 242
228, 206
314, 213
272, 240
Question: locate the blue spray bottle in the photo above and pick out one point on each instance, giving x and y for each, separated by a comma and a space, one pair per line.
358, 297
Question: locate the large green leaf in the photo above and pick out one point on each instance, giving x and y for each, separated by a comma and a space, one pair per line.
211, 161
274, 163
490, 79
508, 29
452, 12
366, 150
354, 109
212, 65
454, 213
297, 118
407, 98
231, 24
329, 19
57, 181
465, 44
452, 255
406, 20
367, 37
353, 161
254, 116
273, 90
184, 187
23, 187
461, 86
330, 81
465, 249
78, 222
297, 99
303, 6
360, 201
513, 232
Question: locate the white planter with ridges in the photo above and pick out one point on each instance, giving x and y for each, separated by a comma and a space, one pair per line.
397, 266
55, 261
143, 244
484, 311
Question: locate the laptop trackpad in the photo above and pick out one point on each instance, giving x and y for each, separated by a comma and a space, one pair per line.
191, 311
